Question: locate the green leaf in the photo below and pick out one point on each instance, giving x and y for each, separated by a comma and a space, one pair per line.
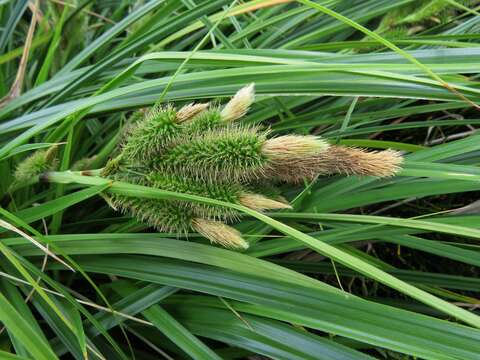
21, 329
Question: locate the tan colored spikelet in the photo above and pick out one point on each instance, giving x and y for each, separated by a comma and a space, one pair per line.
259, 202
240, 103
287, 147
51, 153
354, 161
189, 111
340, 160
282, 199
219, 233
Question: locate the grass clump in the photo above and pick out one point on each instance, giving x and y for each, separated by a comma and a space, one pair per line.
321, 249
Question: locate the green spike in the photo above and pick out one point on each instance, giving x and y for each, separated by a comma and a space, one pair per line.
219, 190
227, 153
165, 216
170, 216
206, 120
149, 136
37, 163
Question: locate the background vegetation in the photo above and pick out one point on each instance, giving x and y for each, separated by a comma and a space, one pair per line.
360, 268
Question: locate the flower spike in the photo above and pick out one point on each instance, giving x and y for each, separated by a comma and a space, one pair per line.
238, 106
220, 233
189, 111
202, 151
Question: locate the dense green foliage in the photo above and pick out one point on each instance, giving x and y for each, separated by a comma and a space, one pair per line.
359, 268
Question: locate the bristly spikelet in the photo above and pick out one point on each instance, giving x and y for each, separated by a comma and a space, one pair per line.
40, 161
111, 168
189, 111
150, 135
220, 233
238, 106
227, 153
353, 161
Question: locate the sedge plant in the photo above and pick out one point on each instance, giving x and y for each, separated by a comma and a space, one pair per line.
206, 150
360, 268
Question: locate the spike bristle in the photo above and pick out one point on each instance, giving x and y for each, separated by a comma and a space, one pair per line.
206, 120
259, 202
239, 105
219, 233
189, 111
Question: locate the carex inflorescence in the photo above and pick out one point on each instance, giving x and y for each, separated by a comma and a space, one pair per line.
205, 150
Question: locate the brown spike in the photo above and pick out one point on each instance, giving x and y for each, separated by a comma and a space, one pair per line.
219, 233
286, 147
259, 202
341, 160
189, 111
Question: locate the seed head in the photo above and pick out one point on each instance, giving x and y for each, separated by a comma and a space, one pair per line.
219, 233
227, 191
40, 161
339, 160
206, 120
238, 106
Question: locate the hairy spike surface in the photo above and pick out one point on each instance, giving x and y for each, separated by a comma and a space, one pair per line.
189, 111
227, 191
219, 233
227, 153
37, 163
239, 105
150, 135
353, 161
204, 121
259, 202
165, 216
340, 160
